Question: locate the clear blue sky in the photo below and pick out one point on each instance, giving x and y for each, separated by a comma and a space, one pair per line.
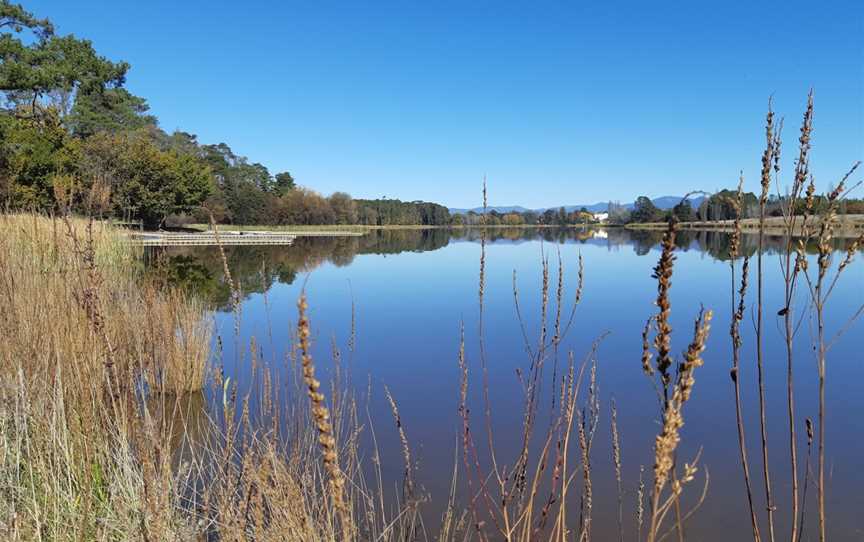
570, 102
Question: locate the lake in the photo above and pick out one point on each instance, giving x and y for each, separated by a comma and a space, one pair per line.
412, 289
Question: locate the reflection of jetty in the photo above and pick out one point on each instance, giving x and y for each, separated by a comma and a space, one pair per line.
229, 237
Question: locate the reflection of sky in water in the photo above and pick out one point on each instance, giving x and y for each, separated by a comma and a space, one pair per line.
409, 306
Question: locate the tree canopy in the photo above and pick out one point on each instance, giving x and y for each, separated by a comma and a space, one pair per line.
145, 182
645, 211
721, 205
109, 110
48, 70
683, 211
385, 212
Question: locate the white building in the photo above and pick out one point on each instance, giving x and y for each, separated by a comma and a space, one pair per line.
601, 217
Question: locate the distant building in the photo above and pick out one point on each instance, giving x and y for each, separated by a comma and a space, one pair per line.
601, 217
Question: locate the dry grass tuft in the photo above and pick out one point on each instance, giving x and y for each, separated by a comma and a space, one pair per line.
85, 339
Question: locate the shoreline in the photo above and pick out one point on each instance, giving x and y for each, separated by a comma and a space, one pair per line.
299, 230
847, 226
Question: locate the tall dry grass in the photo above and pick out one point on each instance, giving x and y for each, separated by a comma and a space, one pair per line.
117, 421
803, 225
84, 338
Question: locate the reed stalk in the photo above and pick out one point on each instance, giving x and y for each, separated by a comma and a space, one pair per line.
616, 459
669, 437
790, 276
738, 307
821, 289
672, 395
321, 417
770, 159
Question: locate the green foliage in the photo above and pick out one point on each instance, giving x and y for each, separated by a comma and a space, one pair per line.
284, 183
48, 67
645, 211
182, 142
32, 155
618, 214
721, 205
246, 203
558, 217
683, 211
385, 212
244, 193
146, 183
110, 110
16, 18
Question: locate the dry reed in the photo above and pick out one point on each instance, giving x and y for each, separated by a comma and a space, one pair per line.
321, 416
672, 395
770, 159
737, 310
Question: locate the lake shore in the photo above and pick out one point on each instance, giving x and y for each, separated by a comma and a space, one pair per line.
847, 226
288, 228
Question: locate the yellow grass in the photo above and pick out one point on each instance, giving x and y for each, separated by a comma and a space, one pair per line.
106, 434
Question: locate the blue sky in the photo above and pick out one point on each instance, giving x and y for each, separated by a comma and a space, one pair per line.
564, 102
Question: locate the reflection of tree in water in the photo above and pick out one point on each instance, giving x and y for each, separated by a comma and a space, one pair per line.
256, 268
396, 241
716, 243
549, 234
642, 240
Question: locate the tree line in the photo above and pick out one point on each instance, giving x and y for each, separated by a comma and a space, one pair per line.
72, 137
721, 206
549, 217
717, 206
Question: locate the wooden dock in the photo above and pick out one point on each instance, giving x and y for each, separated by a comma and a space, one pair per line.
228, 237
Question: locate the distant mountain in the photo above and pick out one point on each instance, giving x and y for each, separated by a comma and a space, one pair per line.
663, 202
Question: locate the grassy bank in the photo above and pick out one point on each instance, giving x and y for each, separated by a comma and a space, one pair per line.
115, 425
83, 334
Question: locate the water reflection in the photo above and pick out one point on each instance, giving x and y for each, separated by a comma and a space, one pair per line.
183, 418
257, 268
414, 288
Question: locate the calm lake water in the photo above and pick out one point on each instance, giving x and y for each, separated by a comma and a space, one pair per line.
412, 289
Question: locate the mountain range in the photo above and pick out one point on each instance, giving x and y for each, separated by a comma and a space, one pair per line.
663, 202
